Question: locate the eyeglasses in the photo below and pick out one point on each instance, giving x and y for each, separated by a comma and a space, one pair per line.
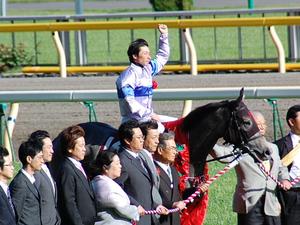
171, 148
139, 137
10, 164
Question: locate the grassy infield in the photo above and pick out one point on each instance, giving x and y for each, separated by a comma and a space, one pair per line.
219, 212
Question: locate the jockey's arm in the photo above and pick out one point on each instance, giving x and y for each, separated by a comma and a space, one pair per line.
163, 52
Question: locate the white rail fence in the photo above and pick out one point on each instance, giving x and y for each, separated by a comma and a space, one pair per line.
159, 95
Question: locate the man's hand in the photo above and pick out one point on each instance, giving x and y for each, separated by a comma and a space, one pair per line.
204, 187
141, 210
162, 210
286, 185
163, 28
180, 205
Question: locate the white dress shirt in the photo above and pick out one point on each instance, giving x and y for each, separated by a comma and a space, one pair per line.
167, 169
4, 186
46, 170
295, 169
29, 176
78, 165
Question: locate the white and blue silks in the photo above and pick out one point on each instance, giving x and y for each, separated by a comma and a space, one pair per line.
134, 85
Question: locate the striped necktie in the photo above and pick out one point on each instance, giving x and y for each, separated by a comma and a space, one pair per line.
10, 201
169, 172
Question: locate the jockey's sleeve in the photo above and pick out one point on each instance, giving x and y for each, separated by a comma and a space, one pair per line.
162, 55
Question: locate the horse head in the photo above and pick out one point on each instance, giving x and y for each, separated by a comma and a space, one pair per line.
242, 126
230, 120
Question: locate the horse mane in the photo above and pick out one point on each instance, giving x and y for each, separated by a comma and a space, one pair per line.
191, 119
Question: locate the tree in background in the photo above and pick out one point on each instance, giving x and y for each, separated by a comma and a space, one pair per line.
171, 5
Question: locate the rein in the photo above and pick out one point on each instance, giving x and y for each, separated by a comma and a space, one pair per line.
233, 153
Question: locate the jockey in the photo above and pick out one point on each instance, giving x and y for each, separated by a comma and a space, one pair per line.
134, 85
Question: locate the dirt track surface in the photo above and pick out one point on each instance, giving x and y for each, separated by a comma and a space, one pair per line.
54, 117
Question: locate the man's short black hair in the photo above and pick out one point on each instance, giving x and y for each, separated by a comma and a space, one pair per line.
292, 113
148, 125
3, 153
134, 48
38, 137
28, 148
125, 131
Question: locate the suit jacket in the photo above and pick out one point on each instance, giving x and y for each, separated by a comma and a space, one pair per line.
136, 182
288, 199
285, 145
252, 183
26, 200
7, 216
113, 205
75, 197
155, 177
49, 213
169, 195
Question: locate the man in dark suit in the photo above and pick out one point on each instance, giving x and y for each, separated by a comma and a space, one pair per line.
44, 181
291, 198
151, 134
75, 197
135, 177
169, 179
24, 193
7, 212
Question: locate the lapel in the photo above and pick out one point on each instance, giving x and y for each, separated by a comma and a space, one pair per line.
5, 199
288, 143
31, 187
43, 173
151, 167
164, 176
81, 177
137, 164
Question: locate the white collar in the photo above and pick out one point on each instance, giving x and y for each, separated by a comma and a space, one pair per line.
45, 168
163, 166
4, 186
132, 153
76, 163
295, 139
149, 154
29, 176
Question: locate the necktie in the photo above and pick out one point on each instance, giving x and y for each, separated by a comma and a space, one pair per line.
82, 170
142, 163
170, 175
10, 201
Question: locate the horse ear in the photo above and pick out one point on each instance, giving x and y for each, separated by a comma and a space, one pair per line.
242, 96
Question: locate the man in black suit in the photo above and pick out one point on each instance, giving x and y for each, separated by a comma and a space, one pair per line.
44, 181
151, 134
24, 193
169, 180
135, 177
75, 197
291, 198
7, 212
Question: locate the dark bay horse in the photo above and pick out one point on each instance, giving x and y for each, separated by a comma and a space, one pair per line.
202, 127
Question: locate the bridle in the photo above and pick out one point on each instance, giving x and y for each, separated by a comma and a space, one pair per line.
241, 144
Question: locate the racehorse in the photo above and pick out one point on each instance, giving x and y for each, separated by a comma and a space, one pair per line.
202, 128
